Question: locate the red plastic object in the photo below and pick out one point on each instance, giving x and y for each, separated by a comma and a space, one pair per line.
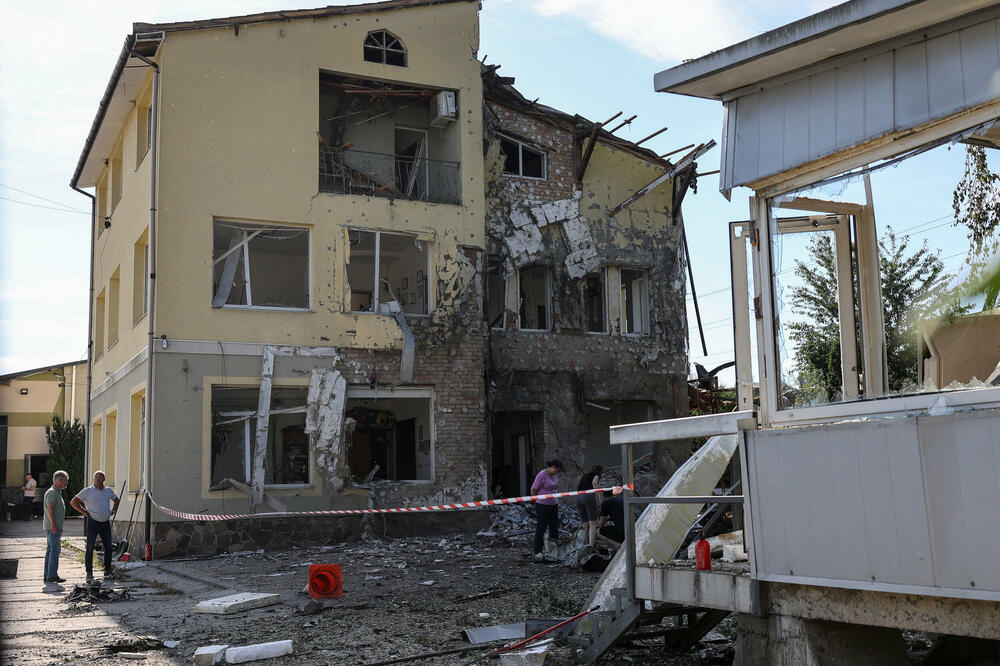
326, 581
702, 555
125, 557
149, 552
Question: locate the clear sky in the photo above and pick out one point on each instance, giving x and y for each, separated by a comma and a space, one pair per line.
591, 57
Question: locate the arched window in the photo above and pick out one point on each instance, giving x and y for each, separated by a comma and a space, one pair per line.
385, 48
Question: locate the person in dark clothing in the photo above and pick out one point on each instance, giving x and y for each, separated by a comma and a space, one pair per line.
586, 505
612, 520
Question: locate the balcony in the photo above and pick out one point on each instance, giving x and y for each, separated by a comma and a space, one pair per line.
348, 171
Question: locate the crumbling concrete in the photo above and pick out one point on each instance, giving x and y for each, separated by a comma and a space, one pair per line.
783, 640
325, 424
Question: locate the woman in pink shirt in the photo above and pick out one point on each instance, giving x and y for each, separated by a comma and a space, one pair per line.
546, 510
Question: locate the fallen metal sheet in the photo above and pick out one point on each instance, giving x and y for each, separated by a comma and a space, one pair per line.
503, 632
406, 362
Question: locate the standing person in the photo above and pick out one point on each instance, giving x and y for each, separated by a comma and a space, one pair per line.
29, 495
52, 522
586, 505
547, 510
97, 502
613, 510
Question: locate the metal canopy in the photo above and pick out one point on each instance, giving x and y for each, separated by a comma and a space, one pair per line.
835, 31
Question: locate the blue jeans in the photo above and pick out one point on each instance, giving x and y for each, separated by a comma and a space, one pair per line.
95, 529
52, 547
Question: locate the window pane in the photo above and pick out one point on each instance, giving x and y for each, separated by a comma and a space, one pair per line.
494, 293
634, 314
593, 302
532, 163
233, 410
361, 270
279, 262
512, 160
534, 298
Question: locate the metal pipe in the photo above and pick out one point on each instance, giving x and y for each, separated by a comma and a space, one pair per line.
629, 480
150, 315
90, 318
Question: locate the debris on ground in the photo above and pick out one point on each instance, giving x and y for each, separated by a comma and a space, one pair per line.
238, 655
234, 603
95, 592
208, 655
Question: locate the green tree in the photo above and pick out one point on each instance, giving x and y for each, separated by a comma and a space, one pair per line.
976, 203
66, 451
914, 288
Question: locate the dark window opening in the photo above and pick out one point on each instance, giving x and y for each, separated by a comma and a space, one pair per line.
385, 48
593, 302
520, 160
495, 293
534, 289
392, 439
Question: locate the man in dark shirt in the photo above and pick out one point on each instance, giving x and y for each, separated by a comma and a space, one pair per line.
612, 520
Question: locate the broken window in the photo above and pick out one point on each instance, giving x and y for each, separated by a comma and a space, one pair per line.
533, 284
383, 47
593, 302
634, 302
522, 160
392, 439
234, 431
495, 293
868, 306
260, 266
389, 140
402, 263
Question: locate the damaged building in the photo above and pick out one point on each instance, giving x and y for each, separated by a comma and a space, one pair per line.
584, 310
311, 291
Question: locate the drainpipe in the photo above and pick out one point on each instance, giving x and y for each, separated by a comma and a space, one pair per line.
150, 411
90, 318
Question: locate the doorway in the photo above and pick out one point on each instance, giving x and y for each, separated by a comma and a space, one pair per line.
512, 463
411, 162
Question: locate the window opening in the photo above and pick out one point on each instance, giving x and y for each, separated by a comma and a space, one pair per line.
260, 266
99, 324
534, 296
140, 277
234, 427
593, 302
385, 48
116, 177
393, 434
411, 162
634, 302
521, 160
402, 263
495, 292
114, 298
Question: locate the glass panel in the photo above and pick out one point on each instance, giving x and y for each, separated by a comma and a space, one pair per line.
534, 298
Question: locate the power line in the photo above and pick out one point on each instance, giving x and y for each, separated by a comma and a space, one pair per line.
34, 205
58, 203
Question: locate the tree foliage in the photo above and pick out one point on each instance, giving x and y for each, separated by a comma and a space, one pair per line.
914, 288
66, 451
976, 203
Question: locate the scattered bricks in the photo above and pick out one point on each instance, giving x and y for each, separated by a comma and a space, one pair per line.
238, 655
210, 654
235, 603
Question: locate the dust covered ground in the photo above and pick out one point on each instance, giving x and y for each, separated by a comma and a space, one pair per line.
402, 597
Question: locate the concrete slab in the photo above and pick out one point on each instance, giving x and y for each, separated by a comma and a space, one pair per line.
235, 603
240, 654
207, 655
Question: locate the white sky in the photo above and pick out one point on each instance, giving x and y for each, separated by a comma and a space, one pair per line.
592, 57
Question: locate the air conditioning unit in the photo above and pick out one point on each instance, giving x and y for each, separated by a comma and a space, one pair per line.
443, 109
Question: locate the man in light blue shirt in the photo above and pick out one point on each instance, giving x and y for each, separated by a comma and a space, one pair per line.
97, 502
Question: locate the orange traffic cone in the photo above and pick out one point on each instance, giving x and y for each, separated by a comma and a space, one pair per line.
326, 581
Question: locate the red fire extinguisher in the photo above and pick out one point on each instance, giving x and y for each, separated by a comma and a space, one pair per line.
702, 553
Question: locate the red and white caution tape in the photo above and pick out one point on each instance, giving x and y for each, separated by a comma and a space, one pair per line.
403, 509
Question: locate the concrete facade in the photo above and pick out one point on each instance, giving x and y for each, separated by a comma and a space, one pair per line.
365, 405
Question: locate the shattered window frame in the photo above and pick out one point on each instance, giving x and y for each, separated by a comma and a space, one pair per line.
246, 419
880, 401
414, 289
496, 294
384, 48
522, 146
238, 257
602, 276
522, 301
424, 439
644, 313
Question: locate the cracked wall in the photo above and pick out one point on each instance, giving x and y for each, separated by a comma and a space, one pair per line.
572, 377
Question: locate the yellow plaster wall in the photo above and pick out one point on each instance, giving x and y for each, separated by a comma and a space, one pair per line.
113, 249
613, 175
238, 140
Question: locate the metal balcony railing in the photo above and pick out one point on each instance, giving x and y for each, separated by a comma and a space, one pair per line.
392, 176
